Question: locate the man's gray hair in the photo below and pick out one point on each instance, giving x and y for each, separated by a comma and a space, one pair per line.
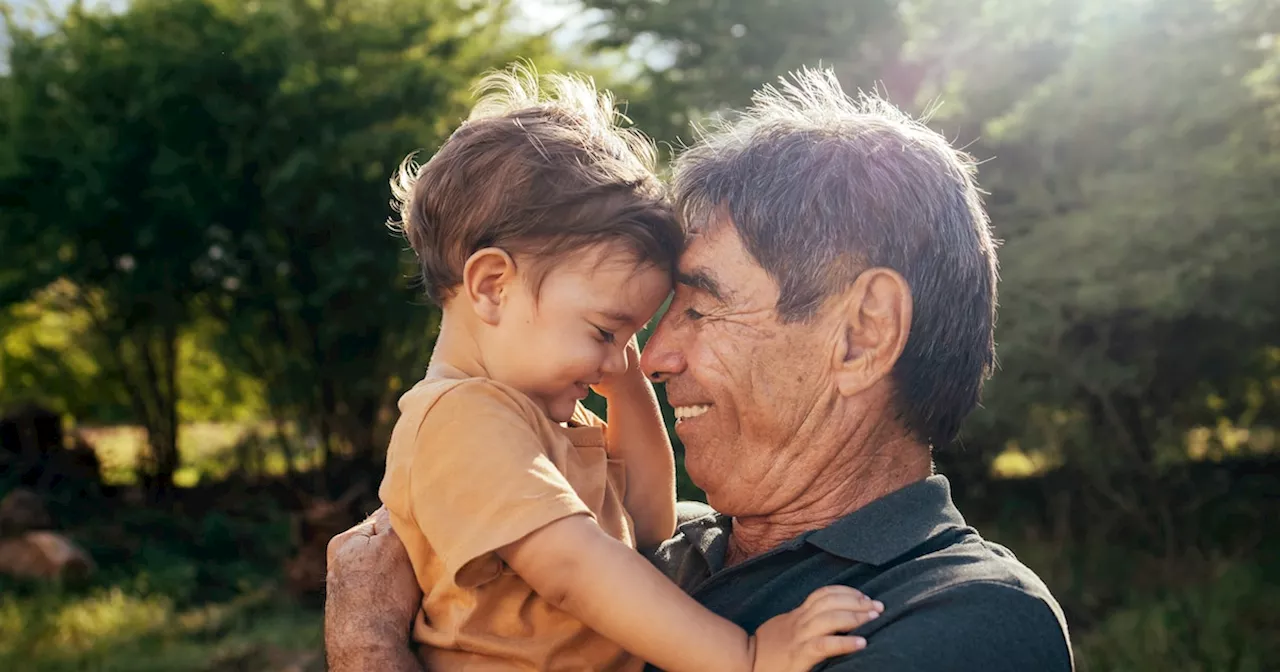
821, 186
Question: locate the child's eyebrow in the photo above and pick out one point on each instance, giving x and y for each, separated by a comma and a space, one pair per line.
622, 318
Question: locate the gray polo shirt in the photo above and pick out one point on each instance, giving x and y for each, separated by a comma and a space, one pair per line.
953, 601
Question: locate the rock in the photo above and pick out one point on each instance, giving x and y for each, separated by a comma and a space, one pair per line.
22, 511
43, 555
36, 453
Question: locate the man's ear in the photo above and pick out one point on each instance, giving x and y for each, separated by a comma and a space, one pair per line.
486, 278
873, 322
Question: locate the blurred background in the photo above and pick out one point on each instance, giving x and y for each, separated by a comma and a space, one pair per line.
204, 324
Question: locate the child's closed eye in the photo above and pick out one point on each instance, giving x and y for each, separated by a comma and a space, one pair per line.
606, 336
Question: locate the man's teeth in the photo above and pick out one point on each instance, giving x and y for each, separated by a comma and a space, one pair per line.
686, 412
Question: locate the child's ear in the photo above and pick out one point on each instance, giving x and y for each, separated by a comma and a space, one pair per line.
486, 277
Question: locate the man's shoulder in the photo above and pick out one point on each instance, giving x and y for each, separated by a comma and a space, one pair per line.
970, 627
963, 604
961, 558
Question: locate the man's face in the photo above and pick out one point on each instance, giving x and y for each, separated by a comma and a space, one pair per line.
748, 390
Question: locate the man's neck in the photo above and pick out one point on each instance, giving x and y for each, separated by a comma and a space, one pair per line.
877, 469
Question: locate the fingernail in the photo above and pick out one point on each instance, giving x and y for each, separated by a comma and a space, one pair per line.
878, 605
874, 614
859, 642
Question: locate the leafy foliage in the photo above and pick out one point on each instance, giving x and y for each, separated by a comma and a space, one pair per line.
223, 163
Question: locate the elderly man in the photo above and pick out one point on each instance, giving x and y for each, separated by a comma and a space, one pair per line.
831, 324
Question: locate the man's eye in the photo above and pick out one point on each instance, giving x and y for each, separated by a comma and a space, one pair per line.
693, 314
606, 336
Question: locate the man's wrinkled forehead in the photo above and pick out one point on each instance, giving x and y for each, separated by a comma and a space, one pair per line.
703, 280
701, 218
703, 267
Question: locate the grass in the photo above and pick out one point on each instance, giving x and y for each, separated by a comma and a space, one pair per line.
125, 628
1226, 624
1209, 606
190, 587
198, 591
141, 624
208, 451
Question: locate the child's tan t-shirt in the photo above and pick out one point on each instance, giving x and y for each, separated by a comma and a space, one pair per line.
473, 466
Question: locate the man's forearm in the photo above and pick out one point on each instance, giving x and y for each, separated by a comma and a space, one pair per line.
354, 641
371, 597
396, 659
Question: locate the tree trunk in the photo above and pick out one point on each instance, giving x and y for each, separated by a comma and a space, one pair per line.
159, 394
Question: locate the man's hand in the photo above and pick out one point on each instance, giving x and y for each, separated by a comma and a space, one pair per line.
372, 597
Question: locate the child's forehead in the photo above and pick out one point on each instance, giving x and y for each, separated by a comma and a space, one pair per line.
600, 263
617, 283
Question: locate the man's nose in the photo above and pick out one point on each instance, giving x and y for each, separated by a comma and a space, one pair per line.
663, 357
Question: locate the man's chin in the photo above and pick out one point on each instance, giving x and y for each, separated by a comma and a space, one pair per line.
697, 474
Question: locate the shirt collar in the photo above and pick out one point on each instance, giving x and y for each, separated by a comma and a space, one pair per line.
883, 530
708, 534
892, 525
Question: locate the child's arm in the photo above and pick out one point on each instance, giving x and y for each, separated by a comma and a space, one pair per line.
637, 435
574, 565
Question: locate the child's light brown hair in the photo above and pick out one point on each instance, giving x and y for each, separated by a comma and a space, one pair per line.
541, 169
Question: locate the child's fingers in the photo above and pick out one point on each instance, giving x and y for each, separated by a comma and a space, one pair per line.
832, 592
822, 648
835, 622
843, 601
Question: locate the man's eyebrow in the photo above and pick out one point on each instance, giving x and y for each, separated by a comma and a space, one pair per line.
701, 280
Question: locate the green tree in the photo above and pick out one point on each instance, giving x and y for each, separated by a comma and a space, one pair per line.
210, 157
703, 56
1134, 182
117, 127
1129, 148
319, 301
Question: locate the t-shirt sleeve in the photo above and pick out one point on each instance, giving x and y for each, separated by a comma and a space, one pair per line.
481, 479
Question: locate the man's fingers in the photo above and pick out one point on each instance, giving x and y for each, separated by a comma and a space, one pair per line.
345, 543
380, 521
358, 536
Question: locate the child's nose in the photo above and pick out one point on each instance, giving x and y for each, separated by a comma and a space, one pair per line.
615, 362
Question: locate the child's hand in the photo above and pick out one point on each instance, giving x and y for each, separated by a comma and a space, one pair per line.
632, 376
800, 639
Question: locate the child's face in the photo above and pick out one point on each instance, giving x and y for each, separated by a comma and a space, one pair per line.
575, 331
